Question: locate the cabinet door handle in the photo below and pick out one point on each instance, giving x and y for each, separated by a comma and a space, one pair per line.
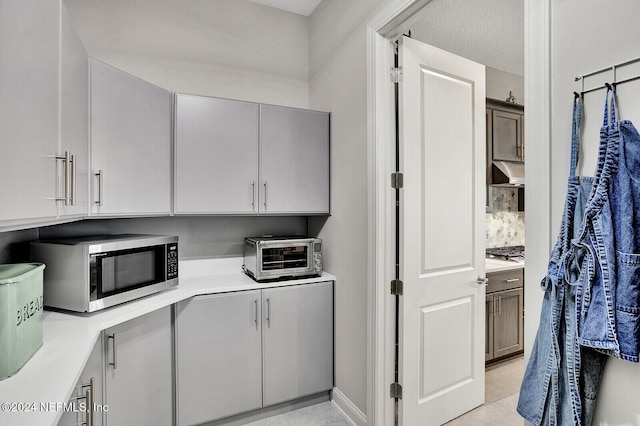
268, 312
73, 180
115, 351
512, 280
265, 195
67, 177
500, 305
100, 176
90, 400
256, 312
253, 195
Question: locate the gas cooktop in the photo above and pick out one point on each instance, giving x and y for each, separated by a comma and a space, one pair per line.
506, 253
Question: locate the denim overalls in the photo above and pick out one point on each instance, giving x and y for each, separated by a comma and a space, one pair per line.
550, 393
609, 240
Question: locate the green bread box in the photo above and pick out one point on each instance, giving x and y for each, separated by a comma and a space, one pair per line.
20, 315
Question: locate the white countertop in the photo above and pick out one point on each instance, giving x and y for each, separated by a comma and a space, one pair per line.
51, 374
497, 265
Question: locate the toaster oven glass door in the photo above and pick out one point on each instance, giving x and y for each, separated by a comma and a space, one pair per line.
118, 271
289, 257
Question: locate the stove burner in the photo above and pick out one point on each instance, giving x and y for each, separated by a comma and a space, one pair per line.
506, 253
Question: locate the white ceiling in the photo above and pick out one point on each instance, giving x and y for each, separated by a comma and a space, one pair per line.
301, 7
490, 32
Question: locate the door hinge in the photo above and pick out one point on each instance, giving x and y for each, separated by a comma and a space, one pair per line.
397, 180
396, 391
396, 287
396, 74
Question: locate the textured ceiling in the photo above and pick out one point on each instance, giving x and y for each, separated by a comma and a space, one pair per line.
490, 32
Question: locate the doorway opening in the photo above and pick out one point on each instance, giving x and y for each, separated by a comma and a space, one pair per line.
399, 21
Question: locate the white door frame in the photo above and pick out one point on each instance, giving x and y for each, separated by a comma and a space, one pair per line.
381, 159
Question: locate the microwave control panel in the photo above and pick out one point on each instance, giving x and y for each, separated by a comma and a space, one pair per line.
172, 261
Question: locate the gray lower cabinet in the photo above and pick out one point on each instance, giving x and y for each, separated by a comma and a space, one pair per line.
507, 322
138, 371
488, 336
504, 315
218, 340
297, 346
85, 405
241, 351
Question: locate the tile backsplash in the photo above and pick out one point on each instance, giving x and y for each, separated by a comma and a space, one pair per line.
505, 224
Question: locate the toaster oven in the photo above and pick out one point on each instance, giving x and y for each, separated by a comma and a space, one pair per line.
270, 258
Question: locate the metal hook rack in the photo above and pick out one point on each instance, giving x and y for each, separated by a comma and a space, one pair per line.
613, 69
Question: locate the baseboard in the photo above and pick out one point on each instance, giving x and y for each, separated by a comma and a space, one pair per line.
348, 408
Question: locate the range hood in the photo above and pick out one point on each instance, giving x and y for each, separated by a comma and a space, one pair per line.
508, 173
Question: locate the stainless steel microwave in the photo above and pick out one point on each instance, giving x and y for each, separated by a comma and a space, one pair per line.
87, 274
269, 258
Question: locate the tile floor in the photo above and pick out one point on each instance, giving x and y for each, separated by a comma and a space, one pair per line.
502, 385
324, 414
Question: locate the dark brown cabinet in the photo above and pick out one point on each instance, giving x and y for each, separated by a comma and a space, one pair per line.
505, 133
504, 314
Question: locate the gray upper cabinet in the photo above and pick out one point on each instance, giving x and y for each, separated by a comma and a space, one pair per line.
130, 144
44, 109
29, 109
219, 367
74, 124
235, 157
294, 160
216, 156
505, 131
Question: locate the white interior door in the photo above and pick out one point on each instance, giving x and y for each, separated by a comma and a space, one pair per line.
442, 231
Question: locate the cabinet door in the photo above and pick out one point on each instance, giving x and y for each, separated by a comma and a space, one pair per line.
507, 136
488, 341
138, 371
130, 144
29, 108
216, 164
90, 381
74, 116
297, 341
508, 322
294, 160
219, 364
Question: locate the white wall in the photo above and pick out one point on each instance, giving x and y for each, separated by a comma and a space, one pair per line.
499, 83
226, 48
587, 35
338, 46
